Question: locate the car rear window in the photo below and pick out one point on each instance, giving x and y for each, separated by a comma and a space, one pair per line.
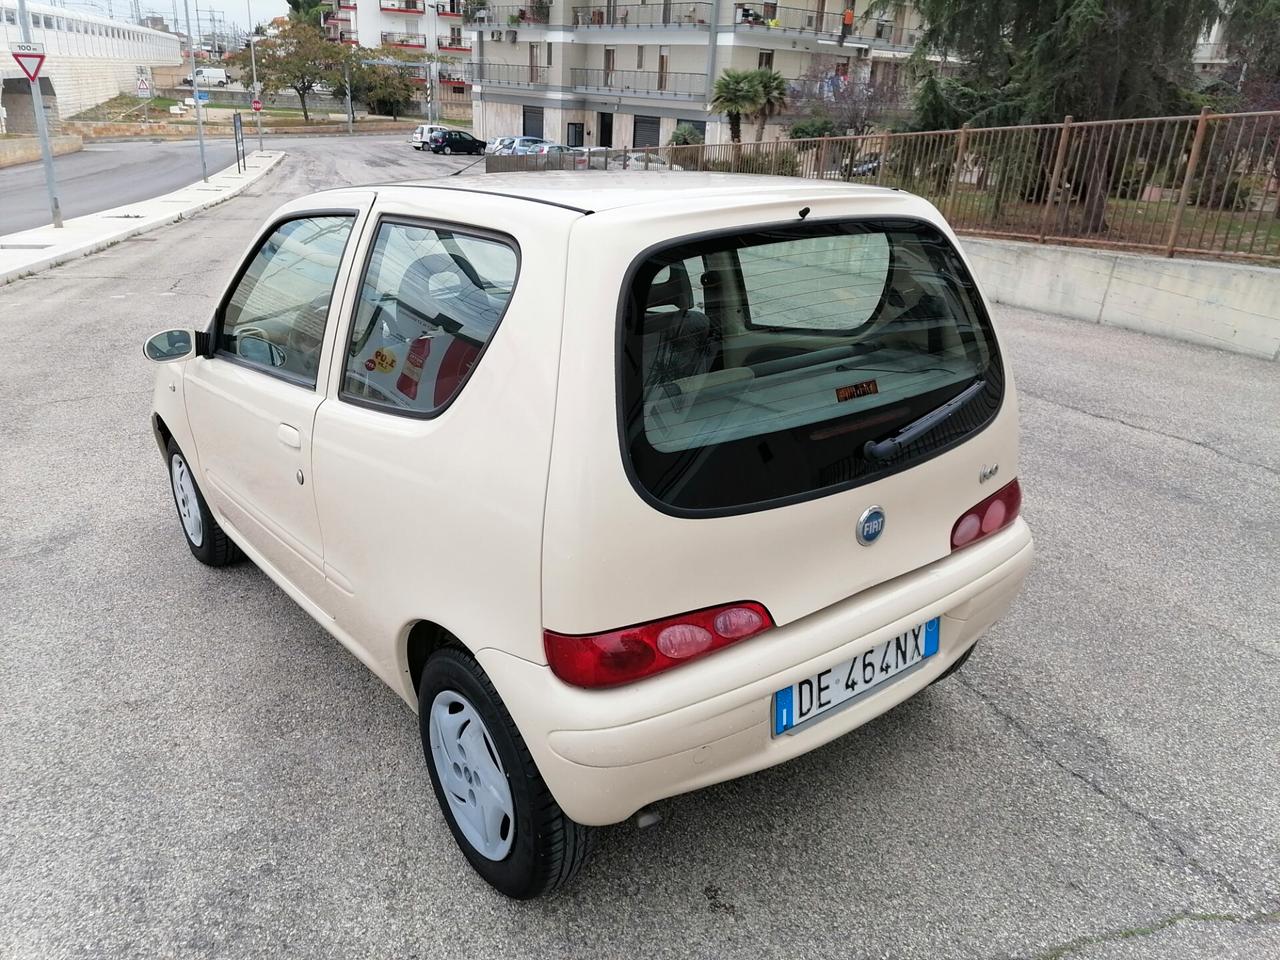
757, 367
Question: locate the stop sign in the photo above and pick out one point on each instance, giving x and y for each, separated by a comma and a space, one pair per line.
257, 106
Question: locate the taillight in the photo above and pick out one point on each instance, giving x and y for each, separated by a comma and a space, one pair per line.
992, 514
631, 653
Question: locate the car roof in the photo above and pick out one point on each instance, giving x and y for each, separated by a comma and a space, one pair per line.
599, 191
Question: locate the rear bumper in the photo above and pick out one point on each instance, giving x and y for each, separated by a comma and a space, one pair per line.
710, 721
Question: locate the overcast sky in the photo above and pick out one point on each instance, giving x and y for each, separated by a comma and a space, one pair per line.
237, 11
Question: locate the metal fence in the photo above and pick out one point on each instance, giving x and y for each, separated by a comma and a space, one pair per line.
1204, 185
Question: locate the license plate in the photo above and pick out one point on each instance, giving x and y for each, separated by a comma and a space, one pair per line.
818, 695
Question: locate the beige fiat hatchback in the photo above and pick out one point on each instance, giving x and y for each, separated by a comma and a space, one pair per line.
627, 483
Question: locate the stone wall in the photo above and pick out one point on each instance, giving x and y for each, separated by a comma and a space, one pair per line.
27, 149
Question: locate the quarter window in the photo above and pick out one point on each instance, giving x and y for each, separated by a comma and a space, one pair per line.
276, 316
430, 301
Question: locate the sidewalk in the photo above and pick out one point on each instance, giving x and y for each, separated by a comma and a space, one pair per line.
33, 250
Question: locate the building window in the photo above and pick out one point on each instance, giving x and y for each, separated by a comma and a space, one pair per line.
549, 45
765, 60
575, 137
640, 58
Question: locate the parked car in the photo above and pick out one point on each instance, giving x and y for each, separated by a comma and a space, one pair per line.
556, 156
422, 134
640, 160
866, 166
497, 144
519, 146
627, 485
455, 141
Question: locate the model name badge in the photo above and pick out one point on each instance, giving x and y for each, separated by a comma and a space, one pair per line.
855, 390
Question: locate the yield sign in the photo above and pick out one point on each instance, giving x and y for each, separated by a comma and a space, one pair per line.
29, 63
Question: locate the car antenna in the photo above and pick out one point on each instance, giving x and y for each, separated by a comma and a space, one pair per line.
804, 212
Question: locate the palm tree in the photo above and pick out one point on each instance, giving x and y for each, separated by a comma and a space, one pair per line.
771, 89
736, 93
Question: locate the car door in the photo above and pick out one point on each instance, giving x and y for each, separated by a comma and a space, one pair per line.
252, 400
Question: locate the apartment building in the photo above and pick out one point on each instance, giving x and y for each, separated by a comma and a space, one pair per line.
435, 30
624, 74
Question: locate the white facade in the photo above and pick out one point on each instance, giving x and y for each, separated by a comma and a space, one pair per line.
405, 25
89, 58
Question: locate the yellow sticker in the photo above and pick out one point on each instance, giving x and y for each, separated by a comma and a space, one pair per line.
384, 359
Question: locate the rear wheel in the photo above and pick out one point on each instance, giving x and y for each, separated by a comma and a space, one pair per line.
208, 542
447, 149
501, 814
960, 662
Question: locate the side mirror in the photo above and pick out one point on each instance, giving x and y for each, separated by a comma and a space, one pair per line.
170, 345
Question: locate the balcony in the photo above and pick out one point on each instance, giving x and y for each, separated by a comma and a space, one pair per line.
348, 36
771, 18
450, 8
660, 83
667, 15
507, 74
405, 41
452, 44
484, 15
336, 18
346, 4
402, 6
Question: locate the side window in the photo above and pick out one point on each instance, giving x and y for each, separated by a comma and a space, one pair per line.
276, 315
430, 301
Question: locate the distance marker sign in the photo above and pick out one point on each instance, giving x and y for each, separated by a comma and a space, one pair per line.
30, 58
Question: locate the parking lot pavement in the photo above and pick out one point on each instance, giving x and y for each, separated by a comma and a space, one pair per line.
190, 767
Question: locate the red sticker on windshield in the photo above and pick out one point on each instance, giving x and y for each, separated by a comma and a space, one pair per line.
854, 390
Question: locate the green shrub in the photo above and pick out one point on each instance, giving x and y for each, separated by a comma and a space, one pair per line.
811, 127
783, 163
684, 135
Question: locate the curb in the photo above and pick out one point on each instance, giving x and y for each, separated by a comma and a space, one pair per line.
14, 265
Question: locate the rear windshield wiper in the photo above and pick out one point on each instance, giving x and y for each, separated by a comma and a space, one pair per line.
880, 450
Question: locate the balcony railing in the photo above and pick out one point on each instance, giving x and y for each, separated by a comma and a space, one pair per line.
349, 36
660, 82
346, 4
507, 16
336, 17
507, 74
410, 40
671, 13
770, 16
402, 6
449, 42
450, 8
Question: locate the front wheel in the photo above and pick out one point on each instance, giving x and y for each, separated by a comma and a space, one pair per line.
417, 146
208, 542
501, 814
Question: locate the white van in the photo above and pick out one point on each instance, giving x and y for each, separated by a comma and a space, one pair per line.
209, 77
627, 483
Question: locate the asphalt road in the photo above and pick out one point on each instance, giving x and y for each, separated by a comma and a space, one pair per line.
190, 767
105, 175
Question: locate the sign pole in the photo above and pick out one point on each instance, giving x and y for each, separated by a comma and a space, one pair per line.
42, 128
253, 62
195, 90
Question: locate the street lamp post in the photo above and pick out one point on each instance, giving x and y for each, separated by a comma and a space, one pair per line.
42, 128
253, 64
195, 90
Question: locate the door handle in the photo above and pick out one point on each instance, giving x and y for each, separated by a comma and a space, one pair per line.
289, 436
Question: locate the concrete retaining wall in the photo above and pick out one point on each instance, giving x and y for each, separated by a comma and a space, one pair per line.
1231, 306
113, 130
27, 149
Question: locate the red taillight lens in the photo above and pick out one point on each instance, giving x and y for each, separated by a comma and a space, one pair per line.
631, 653
992, 514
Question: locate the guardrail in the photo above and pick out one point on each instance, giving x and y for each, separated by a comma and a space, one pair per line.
662, 83
767, 16
1206, 185
502, 17
402, 6
450, 42
408, 40
507, 74
672, 13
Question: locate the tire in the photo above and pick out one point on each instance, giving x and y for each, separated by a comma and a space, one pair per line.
447, 150
208, 542
417, 146
543, 849
964, 658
